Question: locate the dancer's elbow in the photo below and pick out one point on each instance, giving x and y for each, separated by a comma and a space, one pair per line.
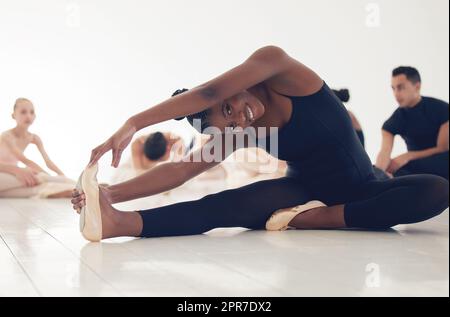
209, 93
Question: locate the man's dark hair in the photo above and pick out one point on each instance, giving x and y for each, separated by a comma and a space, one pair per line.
411, 73
155, 146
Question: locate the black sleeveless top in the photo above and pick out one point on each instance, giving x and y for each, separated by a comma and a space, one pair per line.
320, 144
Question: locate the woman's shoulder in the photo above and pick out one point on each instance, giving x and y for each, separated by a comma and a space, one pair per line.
33, 136
6, 135
6, 132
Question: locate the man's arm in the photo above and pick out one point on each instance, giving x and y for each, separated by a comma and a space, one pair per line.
384, 157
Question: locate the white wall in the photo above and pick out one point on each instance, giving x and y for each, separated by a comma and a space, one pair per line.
90, 64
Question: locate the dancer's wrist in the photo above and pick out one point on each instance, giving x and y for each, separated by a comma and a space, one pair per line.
15, 170
133, 124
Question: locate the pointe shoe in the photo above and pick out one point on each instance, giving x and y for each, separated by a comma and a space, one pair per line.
90, 215
279, 221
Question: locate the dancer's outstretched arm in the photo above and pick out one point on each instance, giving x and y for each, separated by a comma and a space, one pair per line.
264, 64
170, 175
260, 66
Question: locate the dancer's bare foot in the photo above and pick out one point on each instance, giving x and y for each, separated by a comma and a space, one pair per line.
110, 215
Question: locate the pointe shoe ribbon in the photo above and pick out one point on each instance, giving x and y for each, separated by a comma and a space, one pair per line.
279, 221
90, 215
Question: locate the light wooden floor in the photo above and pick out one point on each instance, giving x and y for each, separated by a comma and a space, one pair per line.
42, 254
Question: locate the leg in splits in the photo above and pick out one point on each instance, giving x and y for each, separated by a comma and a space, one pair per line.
379, 205
247, 207
383, 204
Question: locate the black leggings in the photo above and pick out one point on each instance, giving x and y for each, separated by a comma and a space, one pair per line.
378, 204
435, 165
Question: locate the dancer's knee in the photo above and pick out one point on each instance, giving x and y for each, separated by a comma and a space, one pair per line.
436, 194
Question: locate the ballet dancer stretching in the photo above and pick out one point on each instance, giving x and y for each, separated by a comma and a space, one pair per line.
330, 182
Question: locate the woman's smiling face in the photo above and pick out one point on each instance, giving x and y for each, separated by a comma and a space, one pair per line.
239, 111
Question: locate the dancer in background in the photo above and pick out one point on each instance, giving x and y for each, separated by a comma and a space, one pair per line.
344, 96
32, 181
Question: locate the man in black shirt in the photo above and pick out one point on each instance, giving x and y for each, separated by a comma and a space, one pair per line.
422, 122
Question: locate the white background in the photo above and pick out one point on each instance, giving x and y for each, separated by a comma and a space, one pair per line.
90, 64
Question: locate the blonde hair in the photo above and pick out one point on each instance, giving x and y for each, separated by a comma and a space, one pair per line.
20, 101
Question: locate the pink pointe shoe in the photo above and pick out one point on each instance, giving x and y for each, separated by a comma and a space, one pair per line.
90, 215
279, 221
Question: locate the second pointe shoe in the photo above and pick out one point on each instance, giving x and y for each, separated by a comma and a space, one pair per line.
90, 215
279, 221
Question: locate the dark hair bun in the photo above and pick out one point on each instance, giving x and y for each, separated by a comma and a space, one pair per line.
179, 91
343, 94
176, 93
